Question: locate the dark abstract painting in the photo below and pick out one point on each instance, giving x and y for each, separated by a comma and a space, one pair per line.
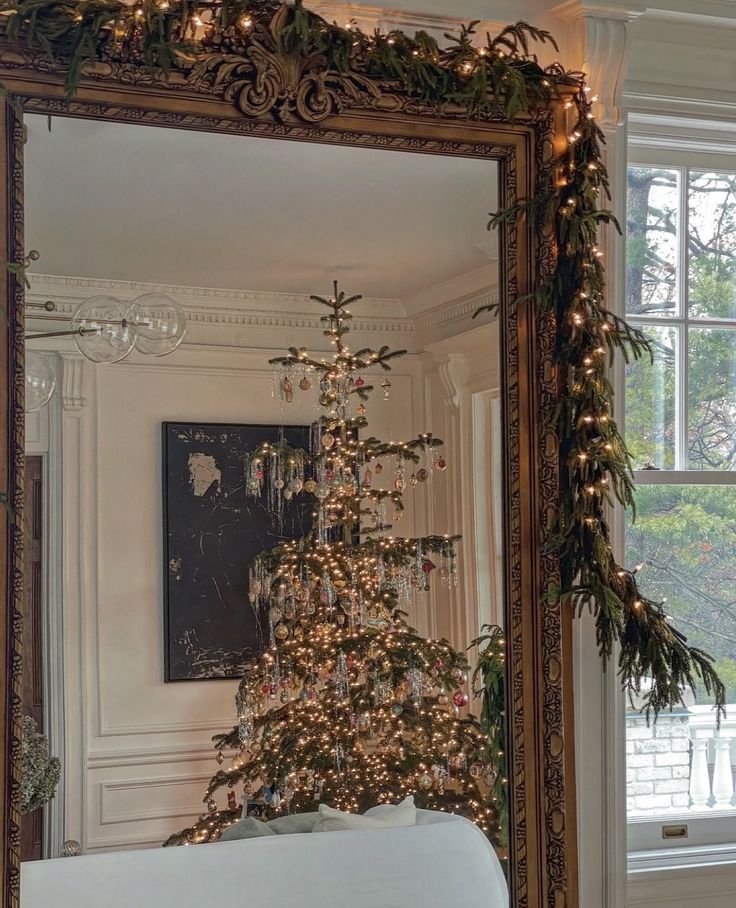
212, 531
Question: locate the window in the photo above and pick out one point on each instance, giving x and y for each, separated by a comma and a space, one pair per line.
680, 426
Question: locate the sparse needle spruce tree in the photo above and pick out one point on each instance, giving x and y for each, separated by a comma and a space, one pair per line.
348, 705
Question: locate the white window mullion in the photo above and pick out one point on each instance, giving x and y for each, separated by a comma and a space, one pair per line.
681, 356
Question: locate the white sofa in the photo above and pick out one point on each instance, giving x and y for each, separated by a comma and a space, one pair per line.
443, 863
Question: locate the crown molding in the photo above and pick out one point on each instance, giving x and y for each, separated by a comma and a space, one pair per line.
370, 17
256, 319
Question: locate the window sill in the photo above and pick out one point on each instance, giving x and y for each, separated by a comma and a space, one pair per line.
685, 858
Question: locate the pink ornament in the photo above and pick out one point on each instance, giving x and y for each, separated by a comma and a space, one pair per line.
359, 382
460, 699
427, 567
439, 664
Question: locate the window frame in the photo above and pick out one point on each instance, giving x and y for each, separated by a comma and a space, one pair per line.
711, 836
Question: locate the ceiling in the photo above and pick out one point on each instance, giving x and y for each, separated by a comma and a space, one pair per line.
135, 203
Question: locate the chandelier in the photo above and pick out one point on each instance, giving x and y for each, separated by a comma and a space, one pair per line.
105, 330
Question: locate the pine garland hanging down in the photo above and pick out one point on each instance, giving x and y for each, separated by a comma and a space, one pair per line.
500, 77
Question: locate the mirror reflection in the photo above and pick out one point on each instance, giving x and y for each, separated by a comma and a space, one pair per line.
264, 528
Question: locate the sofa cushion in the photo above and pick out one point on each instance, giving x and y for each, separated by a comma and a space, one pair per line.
294, 823
331, 820
249, 828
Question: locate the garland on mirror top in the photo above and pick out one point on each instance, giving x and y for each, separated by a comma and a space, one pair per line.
498, 78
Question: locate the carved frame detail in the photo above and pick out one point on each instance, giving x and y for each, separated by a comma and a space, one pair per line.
269, 93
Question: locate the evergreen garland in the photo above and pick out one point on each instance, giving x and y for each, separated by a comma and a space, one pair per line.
498, 78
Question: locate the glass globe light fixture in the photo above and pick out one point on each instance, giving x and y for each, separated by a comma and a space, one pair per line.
160, 324
40, 381
103, 329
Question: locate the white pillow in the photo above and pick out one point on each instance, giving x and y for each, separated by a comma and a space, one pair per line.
331, 820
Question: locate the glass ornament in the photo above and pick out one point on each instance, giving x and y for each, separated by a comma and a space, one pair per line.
40, 381
426, 781
104, 330
71, 849
160, 324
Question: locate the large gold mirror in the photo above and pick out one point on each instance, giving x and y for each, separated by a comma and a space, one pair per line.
269, 564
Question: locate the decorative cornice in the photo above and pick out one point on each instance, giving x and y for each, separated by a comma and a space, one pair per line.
453, 371
370, 17
74, 373
213, 313
604, 35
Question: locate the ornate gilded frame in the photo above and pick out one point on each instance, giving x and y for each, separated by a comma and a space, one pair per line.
279, 95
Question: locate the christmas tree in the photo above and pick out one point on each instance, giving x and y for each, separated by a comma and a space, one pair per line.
348, 705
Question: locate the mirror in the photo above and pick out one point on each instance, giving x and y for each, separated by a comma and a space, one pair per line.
154, 481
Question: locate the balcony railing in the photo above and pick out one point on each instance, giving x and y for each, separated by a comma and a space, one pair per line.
683, 762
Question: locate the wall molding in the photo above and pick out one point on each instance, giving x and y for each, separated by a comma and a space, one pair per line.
149, 756
107, 789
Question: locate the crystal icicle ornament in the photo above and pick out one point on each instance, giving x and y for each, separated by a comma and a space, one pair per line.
246, 728
415, 685
342, 681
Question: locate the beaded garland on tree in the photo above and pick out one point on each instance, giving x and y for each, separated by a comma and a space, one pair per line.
349, 705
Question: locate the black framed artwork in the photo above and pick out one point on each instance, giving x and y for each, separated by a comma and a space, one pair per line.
212, 532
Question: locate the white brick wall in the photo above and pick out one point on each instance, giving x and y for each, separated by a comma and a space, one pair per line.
657, 763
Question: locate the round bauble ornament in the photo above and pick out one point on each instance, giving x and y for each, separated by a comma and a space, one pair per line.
310, 485
397, 709
71, 848
359, 382
489, 775
296, 485
399, 484
361, 411
274, 614
440, 464
457, 762
278, 484
322, 491
328, 440
305, 384
265, 687
426, 781
284, 696
460, 698
457, 674
281, 632
422, 475
443, 699
364, 723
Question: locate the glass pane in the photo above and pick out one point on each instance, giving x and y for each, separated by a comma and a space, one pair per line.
712, 399
712, 245
650, 403
686, 538
651, 238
